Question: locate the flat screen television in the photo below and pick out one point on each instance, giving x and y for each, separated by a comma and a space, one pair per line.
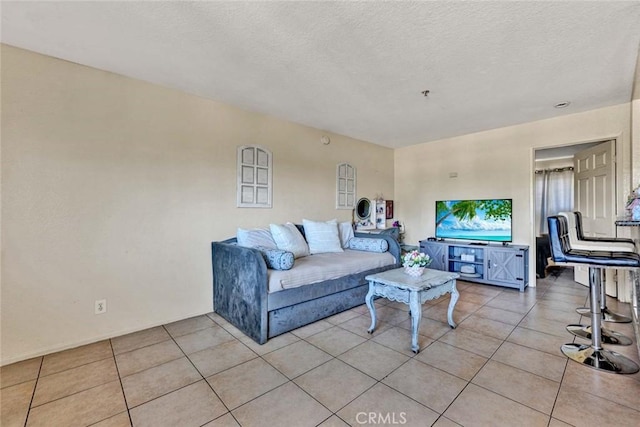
483, 220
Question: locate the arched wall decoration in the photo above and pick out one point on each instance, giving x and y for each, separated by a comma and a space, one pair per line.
255, 182
345, 186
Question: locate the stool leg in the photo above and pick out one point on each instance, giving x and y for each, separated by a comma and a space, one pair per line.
594, 297
607, 315
594, 355
606, 336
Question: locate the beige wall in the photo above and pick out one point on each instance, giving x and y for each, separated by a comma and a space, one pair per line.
114, 188
636, 81
635, 141
635, 126
498, 164
554, 163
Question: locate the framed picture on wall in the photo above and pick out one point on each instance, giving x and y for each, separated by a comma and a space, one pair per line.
389, 209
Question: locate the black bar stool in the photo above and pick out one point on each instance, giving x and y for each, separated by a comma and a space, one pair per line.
579, 241
581, 236
592, 355
607, 336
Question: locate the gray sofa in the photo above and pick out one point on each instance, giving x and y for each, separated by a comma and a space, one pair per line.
240, 291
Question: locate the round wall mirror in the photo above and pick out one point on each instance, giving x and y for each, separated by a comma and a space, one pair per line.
363, 208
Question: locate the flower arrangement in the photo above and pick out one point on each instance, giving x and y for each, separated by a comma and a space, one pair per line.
416, 259
633, 204
635, 193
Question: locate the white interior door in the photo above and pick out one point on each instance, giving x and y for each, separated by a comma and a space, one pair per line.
595, 195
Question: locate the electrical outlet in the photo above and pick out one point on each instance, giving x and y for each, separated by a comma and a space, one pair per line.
101, 306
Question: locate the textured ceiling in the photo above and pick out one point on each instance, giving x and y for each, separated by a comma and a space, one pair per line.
356, 68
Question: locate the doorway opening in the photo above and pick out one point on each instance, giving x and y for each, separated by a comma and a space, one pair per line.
579, 177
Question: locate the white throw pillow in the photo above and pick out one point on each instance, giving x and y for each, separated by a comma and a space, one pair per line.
288, 238
322, 237
346, 233
255, 237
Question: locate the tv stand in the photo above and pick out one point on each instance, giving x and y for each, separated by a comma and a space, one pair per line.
486, 263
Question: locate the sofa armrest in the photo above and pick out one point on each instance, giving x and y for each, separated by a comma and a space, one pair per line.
394, 246
240, 287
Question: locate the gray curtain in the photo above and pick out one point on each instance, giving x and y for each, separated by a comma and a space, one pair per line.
554, 193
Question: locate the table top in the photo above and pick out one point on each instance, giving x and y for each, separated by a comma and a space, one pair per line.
627, 223
399, 279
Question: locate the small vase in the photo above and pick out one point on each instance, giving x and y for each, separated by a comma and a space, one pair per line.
414, 271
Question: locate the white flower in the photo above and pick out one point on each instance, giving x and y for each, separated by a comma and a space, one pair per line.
415, 259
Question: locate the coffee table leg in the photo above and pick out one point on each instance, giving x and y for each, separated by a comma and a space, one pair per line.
372, 308
416, 314
452, 303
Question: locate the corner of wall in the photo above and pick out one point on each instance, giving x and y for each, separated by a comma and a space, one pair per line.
636, 80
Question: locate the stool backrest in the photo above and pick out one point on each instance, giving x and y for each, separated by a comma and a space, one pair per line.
574, 220
578, 221
571, 226
558, 237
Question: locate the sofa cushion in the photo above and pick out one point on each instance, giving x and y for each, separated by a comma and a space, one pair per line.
288, 238
277, 259
322, 237
328, 266
346, 233
254, 237
369, 245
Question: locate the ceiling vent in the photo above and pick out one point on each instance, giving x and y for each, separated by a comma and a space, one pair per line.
563, 104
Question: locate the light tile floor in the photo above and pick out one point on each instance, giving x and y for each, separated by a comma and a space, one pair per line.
501, 367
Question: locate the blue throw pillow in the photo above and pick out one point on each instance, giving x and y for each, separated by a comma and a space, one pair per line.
369, 245
277, 259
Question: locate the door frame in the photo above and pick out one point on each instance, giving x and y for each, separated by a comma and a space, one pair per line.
623, 187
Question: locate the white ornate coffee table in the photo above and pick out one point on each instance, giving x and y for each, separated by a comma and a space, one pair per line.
396, 285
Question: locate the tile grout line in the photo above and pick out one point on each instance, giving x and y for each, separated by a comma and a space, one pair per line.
33, 394
74, 393
483, 365
564, 371
351, 366
199, 373
414, 357
115, 362
540, 301
324, 363
491, 358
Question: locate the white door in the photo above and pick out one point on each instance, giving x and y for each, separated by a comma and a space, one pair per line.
595, 195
